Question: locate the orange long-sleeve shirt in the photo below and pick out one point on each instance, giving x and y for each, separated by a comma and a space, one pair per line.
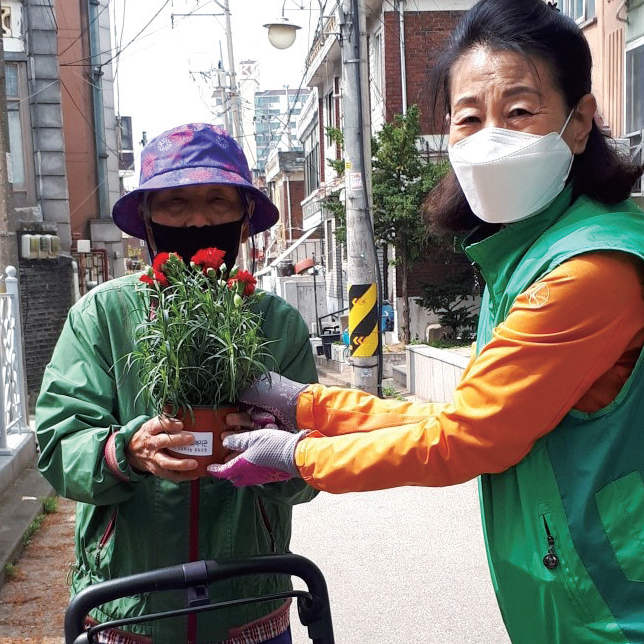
569, 341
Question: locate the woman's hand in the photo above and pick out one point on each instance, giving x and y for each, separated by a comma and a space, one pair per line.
263, 456
276, 395
146, 451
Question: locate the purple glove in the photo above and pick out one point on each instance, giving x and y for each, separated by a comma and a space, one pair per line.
268, 456
278, 396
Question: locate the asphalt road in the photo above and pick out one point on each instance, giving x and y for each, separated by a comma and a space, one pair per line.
403, 566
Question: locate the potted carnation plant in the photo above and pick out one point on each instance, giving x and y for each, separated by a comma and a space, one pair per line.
200, 344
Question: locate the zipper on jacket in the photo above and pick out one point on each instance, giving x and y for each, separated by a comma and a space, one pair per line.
109, 531
267, 524
550, 561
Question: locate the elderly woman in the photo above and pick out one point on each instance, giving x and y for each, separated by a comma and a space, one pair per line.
140, 507
550, 410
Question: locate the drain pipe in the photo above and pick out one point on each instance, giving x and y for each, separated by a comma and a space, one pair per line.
96, 75
288, 208
403, 67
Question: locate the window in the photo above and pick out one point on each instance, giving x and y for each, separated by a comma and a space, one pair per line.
311, 161
329, 115
634, 84
377, 63
579, 10
19, 135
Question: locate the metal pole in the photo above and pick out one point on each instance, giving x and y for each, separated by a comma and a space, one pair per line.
363, 291
96, 75
315, 296
224, 95
403, 64
234, 92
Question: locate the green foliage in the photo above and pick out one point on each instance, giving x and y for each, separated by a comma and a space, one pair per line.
10, 571
336, 136
32, 528
401, 181
203, 341
452, 299
50, 504
389, 391
449, 344
333, 204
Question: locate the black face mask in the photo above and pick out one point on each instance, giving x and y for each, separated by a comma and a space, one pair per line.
186, 241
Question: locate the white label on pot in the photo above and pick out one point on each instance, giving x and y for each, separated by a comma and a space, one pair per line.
201, 447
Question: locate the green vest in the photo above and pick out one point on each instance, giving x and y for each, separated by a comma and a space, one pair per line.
579, 493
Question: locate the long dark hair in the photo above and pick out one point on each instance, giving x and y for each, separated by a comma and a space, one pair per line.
532, 29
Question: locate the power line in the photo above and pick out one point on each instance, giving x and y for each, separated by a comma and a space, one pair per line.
53, 15
86, 119
109, 60
115, 51
83, 30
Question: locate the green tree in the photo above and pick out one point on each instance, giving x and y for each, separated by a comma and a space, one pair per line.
332, 202
401, 180
451, 297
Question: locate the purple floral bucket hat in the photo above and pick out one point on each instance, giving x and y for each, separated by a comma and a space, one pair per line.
192, 154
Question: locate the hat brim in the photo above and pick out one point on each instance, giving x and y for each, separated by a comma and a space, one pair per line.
127, 213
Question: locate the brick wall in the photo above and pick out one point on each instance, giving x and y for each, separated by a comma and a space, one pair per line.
425, 35
297, 197
45, 299
433, 271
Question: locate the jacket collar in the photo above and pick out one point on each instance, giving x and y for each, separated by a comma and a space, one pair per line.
499, 254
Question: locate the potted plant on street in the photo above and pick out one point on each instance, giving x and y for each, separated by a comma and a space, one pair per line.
199, 345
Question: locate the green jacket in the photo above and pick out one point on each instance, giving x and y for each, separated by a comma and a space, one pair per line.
139, 522
579, 493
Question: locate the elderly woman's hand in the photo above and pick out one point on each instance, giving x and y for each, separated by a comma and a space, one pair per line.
146, 451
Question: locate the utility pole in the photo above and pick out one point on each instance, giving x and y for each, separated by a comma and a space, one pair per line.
364, 325
237, 132
234, 91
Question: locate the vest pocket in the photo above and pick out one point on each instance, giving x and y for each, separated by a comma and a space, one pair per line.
621, 510
556, 559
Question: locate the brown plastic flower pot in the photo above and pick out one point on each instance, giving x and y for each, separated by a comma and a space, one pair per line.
207, 425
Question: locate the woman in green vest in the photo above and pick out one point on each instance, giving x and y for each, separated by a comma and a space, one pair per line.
550, 412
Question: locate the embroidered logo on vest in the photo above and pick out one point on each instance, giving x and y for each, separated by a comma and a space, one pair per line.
538, 295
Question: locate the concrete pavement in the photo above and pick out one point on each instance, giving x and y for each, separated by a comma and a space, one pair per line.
403, 566
22, 490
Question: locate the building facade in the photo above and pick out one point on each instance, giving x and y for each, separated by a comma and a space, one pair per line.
275, 123
403, 42
90, 129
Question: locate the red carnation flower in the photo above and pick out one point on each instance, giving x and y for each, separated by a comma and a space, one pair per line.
161, 278
209, 258
159, 261
245, 278
156, 277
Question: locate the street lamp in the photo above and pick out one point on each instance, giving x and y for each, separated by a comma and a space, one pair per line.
282, 32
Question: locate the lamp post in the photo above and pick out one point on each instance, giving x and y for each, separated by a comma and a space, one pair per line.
281, 32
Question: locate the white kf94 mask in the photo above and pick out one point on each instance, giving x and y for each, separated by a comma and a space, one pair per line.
508, 176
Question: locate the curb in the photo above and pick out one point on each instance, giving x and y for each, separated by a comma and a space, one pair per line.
20, 504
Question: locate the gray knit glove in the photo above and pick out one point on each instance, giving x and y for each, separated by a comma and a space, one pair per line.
267, 456
278, 396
